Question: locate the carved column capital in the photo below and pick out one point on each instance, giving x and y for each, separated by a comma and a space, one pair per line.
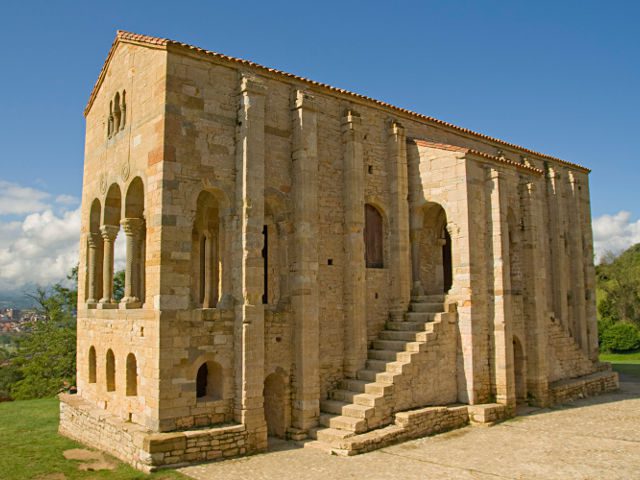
132, 226
109, 232
94, 239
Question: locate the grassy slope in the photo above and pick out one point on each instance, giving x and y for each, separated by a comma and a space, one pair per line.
628, 363
32, 448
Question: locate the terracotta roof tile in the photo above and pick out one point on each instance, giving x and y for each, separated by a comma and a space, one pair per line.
122, 36
465, 150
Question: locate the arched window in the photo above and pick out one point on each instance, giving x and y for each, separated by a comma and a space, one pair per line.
206, 248
134, 229
132, 375
209, 381
123, 109
92, 365
116, 113
373, 239
111, 371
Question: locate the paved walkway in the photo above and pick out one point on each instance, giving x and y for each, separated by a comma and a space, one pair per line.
593, 438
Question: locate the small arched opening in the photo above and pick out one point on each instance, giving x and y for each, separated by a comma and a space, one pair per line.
92, 364
274, 405
132, 375
373, 237
95, 252
206, 251
134, 228
209, 381
109, 231
111, 371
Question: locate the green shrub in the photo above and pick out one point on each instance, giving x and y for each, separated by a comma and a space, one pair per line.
619, 337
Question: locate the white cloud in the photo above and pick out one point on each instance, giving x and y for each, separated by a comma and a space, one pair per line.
18, 200
67, 200
614, 233
40, 249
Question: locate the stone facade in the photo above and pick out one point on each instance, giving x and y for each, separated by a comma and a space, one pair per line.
306, 262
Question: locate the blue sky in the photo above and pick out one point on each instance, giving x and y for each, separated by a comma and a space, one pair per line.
559, 77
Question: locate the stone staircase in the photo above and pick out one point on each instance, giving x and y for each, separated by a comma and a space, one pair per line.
567, 358
369, 401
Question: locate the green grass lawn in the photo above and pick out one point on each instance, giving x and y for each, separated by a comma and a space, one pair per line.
31, 447
627, 363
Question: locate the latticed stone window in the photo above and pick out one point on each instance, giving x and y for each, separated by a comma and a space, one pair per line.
117, 113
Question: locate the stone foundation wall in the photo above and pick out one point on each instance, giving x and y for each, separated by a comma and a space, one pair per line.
140, 447
590, 385
408, 425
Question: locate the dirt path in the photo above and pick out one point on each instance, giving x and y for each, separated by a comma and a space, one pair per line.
592, 438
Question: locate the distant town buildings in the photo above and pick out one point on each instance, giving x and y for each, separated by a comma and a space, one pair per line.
15, 320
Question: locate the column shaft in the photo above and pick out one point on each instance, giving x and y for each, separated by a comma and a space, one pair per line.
109, 234
250, 311
304, 291
503, 367
92, 281
399, 221
355, 339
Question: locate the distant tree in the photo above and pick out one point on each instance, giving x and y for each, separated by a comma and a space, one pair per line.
118, 285
46, 355
619, 281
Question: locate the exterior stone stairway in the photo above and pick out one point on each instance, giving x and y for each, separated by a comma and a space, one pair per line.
366, 402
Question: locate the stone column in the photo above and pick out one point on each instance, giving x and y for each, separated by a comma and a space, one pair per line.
355, 338
93, 241
577, 267
132, 228
536, 291
558, 264
250, 311
304, 266
109, 234
225, 248
208, 258
589, 272
399, 221
503, 367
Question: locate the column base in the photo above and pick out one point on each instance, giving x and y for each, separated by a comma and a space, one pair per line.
106, 305
127, 303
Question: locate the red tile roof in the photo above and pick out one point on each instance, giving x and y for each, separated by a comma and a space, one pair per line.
128, 37
465, 150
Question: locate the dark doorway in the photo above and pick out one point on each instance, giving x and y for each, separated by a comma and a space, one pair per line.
265, 263
447, 270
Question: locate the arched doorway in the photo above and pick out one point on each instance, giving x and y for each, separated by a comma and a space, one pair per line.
431, 249
520, 372
274, 405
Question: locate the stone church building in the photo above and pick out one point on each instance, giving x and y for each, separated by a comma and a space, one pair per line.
308, 263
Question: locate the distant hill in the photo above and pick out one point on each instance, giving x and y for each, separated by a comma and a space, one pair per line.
18, 299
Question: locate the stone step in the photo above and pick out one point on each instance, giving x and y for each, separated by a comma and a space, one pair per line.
406, 326
377, 365
329, 435
353, 384
368, 399
379, 389
358, 411
344, 395
405, 335
340, 422
420, 317
367, 375
332, 406
426, 307
397, 345
439, 298
388, 355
